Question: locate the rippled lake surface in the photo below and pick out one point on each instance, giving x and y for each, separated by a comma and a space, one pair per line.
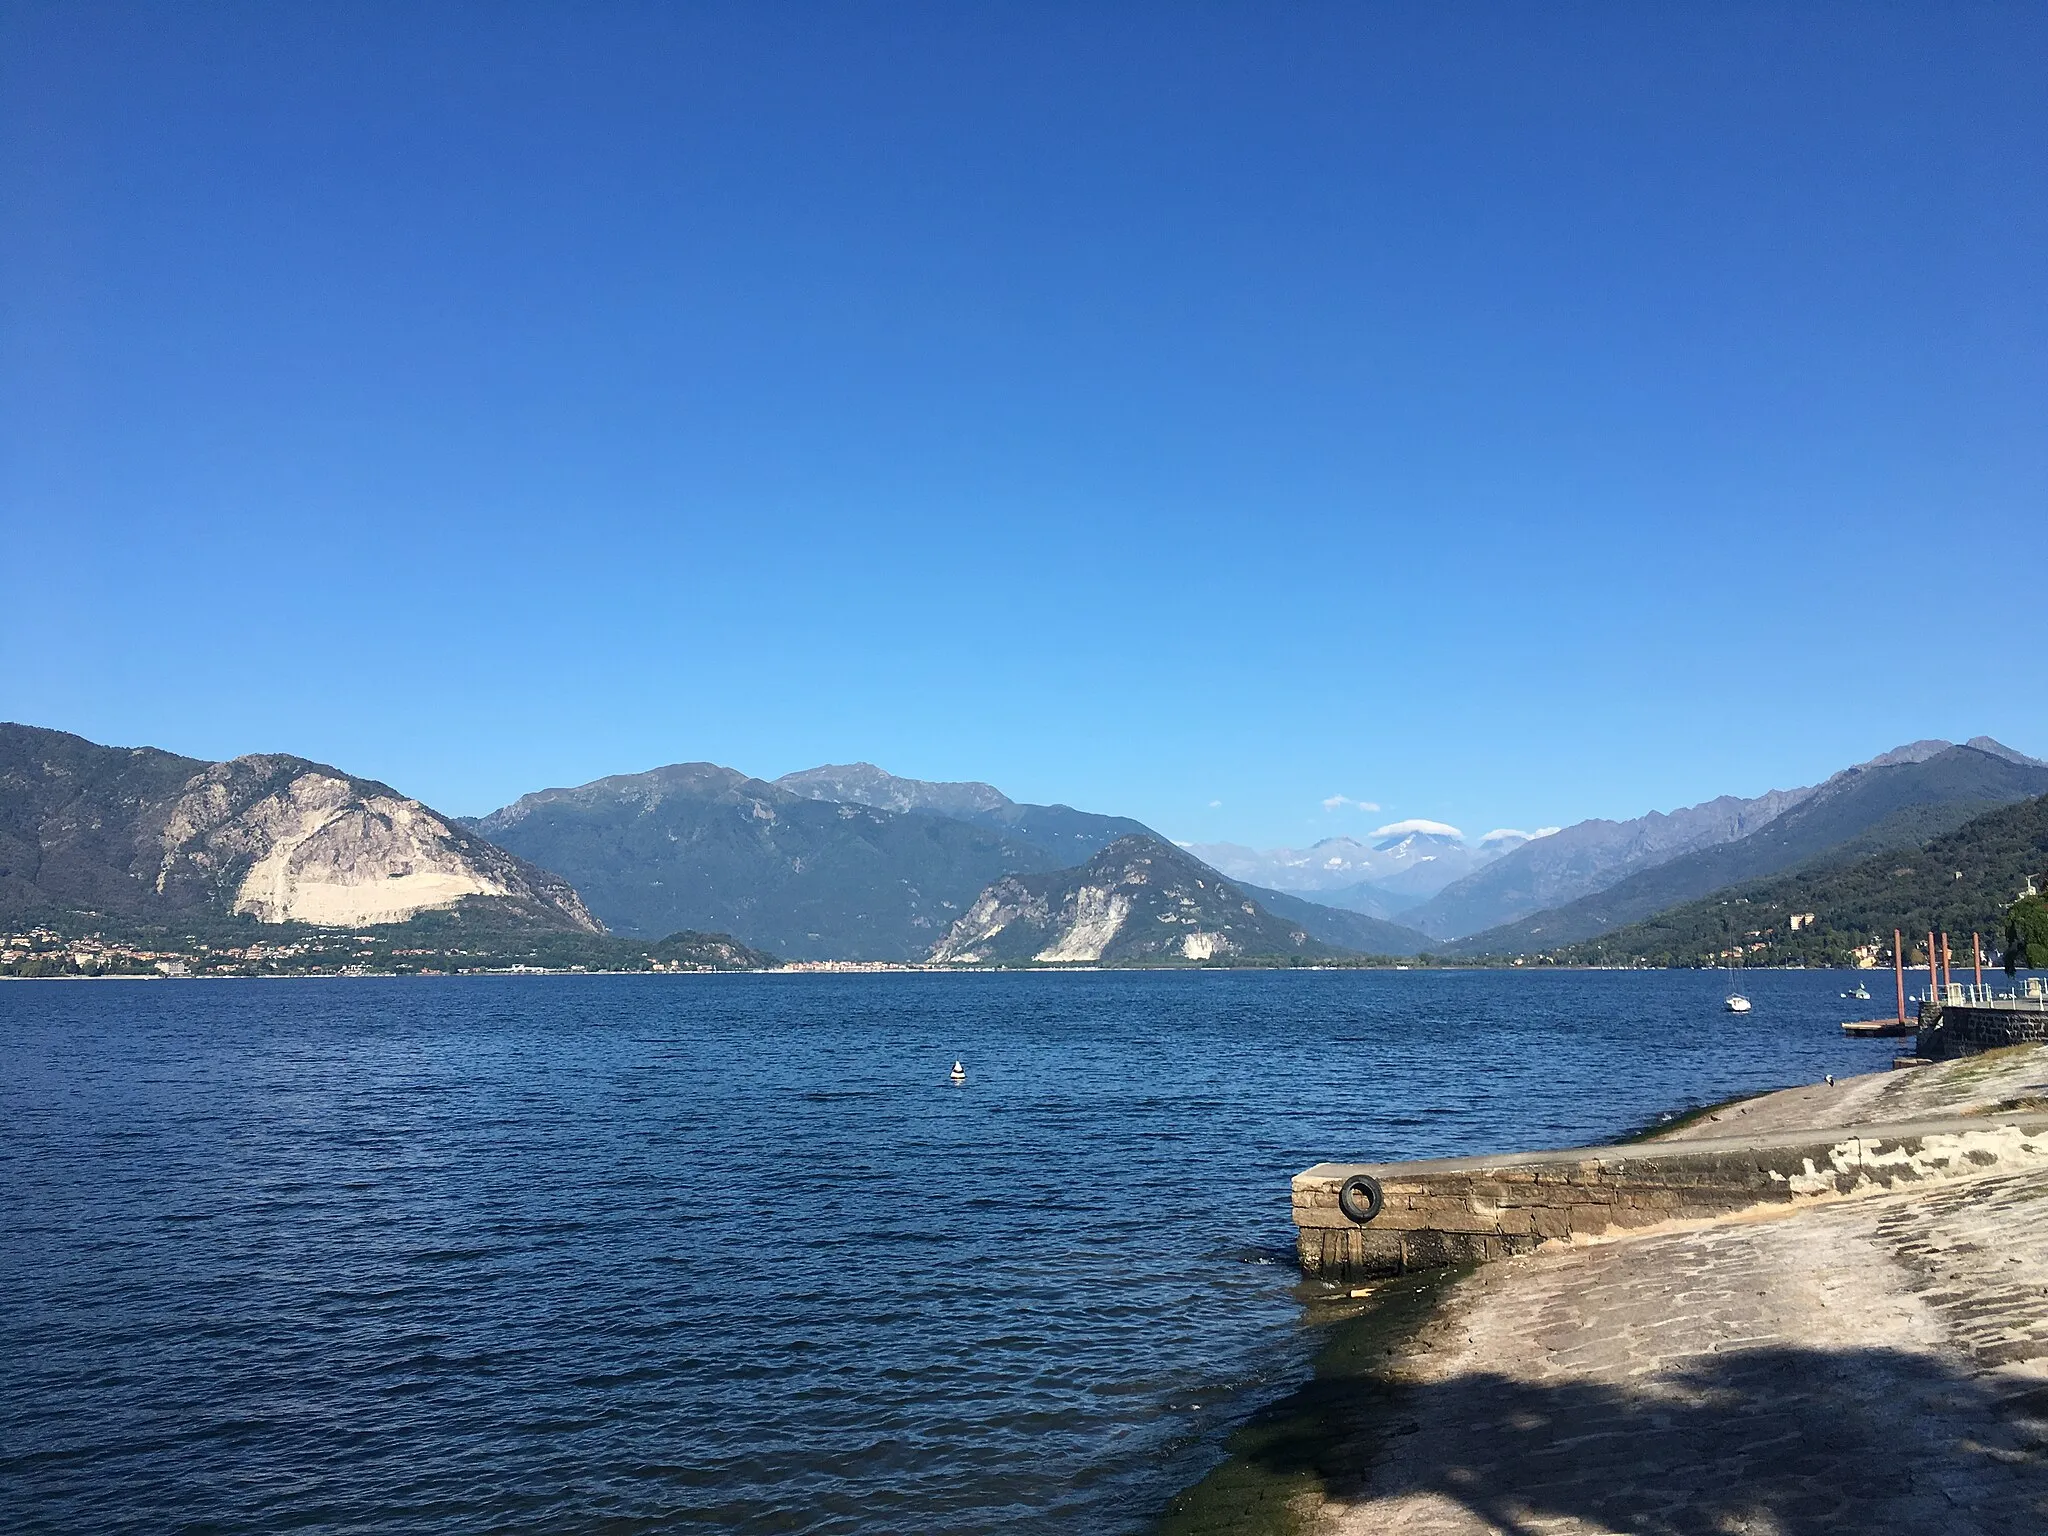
731, 1252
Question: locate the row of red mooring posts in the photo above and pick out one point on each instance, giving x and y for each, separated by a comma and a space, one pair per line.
1940, 973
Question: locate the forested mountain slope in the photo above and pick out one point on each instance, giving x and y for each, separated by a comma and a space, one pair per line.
1070, 835
698, 846
1893, 805
1960, 882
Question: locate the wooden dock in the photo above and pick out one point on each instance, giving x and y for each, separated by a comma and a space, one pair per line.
1877, 1029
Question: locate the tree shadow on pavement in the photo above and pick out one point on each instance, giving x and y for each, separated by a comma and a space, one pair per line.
1792, 1442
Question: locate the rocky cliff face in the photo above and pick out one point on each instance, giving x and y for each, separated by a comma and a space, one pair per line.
283, 840
1138, 900
272, 837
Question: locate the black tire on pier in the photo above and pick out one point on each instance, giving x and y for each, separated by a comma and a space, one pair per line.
1359, 1197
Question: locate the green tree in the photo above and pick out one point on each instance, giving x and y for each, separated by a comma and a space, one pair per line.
2026, 933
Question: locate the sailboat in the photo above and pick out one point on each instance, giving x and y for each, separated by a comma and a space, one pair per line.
1861, 991
1736, 1002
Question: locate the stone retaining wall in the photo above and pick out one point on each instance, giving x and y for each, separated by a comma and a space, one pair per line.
1456, 1210
1949, 1030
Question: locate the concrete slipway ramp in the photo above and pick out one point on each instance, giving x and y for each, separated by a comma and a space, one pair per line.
1821, 1311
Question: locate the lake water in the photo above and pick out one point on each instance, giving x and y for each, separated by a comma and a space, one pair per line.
730, 1252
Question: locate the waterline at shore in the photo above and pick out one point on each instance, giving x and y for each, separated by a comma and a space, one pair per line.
1871, 1363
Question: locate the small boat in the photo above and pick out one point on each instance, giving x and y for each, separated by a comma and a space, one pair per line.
1735, 1002
1862, 992
959, 1073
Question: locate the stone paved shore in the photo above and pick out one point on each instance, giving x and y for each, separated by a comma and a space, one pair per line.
1877, 1364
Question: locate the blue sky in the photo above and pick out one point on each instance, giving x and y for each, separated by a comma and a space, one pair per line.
1499, 414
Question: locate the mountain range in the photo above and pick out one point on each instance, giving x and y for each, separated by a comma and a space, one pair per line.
1897, 801
849, 862
1424, 876
1959, 882
1585, 857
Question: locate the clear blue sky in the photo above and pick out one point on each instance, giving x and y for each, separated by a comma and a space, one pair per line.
1502, 413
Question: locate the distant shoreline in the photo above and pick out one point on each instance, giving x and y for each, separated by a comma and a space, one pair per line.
907, 968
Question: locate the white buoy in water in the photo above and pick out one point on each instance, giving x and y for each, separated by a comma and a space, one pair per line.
959, 1073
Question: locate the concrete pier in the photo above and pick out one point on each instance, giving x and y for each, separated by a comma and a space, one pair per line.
1460, 1210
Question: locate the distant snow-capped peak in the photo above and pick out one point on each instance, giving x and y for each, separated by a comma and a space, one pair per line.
1417, 853
1408, 842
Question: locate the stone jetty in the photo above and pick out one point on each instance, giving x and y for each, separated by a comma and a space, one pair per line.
1819, 1311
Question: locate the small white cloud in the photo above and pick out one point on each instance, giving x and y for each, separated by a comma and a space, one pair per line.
1403, 828
1515, 834
1215, 805
1338, 802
